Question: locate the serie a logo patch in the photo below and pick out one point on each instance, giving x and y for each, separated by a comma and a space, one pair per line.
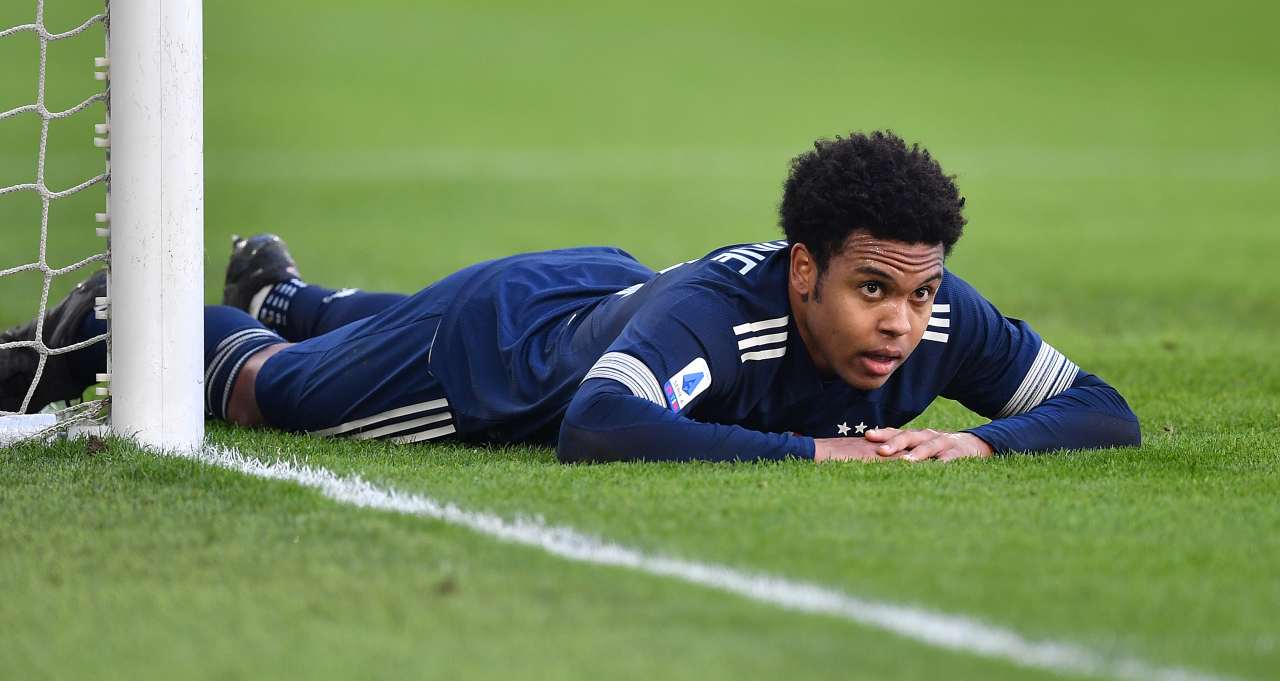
687, 384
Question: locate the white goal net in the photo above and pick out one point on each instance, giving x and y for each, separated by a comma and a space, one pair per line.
151, 225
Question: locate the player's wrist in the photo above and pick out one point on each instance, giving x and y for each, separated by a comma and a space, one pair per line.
981, 445
804, 447
821, 451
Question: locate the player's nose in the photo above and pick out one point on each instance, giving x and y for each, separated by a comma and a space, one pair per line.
896, 321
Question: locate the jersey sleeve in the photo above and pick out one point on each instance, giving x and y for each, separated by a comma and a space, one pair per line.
640, 399
1037, 398
675, 355
1005, 367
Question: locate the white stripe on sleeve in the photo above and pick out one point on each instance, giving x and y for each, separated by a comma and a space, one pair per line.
766, 339
1050, 373
763, 354
760, 326
631, 372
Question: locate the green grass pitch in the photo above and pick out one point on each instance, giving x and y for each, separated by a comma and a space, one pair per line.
1122, 169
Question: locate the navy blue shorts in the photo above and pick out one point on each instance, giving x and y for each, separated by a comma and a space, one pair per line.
368, 379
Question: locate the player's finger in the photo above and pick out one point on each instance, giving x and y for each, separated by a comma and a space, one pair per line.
900, 443
927, 450
880, 434
949, 455
906, 439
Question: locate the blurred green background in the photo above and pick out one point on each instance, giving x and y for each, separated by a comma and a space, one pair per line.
1121, 163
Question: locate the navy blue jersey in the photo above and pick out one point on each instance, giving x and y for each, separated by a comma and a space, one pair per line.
712, 342
505, 350
715, 341
483, 354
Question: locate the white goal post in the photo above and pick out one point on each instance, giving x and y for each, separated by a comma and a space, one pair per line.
156, 218
153, 221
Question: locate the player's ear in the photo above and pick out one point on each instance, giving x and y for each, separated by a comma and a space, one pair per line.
803, 274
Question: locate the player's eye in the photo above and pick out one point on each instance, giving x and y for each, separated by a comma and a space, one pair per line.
923, 293
870, 288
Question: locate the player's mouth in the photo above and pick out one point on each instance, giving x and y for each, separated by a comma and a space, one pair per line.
880, 362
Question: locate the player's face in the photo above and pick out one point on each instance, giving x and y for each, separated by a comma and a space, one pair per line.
869, 309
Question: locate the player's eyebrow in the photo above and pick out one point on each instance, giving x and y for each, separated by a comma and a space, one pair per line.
937, 276
877, 272
874, 271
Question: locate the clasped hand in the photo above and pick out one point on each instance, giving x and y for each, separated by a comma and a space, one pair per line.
884, 444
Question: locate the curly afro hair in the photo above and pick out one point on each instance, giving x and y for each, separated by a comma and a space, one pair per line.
871, 182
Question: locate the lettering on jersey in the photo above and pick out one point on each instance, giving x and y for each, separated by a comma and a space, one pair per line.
762, 334
687, 384
939, 319
748, 256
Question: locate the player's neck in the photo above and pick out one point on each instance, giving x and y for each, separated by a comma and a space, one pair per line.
799, 314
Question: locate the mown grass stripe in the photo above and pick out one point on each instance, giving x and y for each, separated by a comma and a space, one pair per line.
942, 630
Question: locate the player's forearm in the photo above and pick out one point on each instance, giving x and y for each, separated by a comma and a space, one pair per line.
605, 422
1089, 415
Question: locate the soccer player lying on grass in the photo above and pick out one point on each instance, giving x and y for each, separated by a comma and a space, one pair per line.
821, 346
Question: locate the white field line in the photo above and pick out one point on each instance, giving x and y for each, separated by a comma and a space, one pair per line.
952, 632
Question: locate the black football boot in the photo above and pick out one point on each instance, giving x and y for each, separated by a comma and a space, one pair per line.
57, 382
256, 262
